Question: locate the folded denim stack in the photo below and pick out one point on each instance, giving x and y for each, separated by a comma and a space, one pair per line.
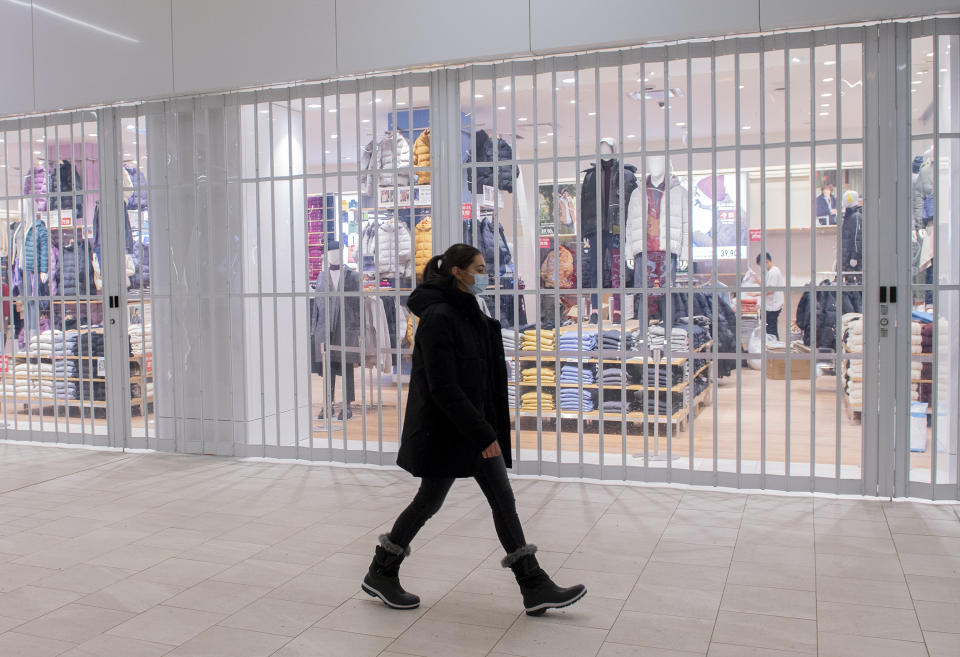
616, 406
611, 375
570, 373
546, 340
570, 341
572, 399
528, 401
612, 340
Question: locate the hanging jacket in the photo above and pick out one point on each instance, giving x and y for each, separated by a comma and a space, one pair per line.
457, 400
824, 314
487, 243
35, 184
484, 153
588, 196
391, 151
559, 269
77, 275
36, 249
852, 239
923, 196
325, 319
389, 242
726, 320
423, 243
138, 199
679, 220
64, 179
421, 156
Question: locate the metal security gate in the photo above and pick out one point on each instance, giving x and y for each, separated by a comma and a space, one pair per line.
610, 380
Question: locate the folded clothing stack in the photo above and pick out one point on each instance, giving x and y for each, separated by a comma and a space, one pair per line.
926, 373
511, 371
570, 341
511, 397
529, 400
509, 339
547, 376
141, 339
611, 340
570, 373
617, 406
852, 328
45, 380
610, 375
53, 344
546, 340
916, 337
572, 399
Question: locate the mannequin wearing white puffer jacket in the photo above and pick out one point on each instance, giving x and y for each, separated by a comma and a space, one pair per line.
389, 242
638, 233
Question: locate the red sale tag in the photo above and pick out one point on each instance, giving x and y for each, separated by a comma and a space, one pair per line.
4, 363
755, 236
467, 211
148, 361
545, 242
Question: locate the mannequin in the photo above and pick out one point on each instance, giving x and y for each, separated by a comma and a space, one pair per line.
35, 265
601, 235
654, 231
340, 345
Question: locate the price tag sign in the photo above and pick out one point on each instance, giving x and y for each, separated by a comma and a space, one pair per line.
101, 367
466, 211
4, 363
148, 362
755, 235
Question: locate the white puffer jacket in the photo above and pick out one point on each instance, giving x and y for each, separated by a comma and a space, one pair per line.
390, 244
392, 151
679, 221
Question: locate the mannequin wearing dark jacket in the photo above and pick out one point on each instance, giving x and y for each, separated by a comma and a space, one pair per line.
457, 424
484, 151
64, 179
852, 237
339, 341
610, 187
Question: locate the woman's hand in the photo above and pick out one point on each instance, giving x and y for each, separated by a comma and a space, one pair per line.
492, 451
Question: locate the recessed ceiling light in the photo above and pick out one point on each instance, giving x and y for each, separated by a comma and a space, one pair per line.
680, 124
631, 136
653, 73
918, 82
379, 100
829, 62
264, 111
921, 72
92, 134
314, 106
573, 102
795, 60
332, 110
742, 86
544, 142
502, 107
824, 113
591, 113
522, 118
828, 79
39, 140
930, 54
328, 152
365, 121
507, 88
401, 103
334, 136
478, 95
826, 95
36, 152
3, 166
824, 104
943, 70
569, 80
549, 134
746, 127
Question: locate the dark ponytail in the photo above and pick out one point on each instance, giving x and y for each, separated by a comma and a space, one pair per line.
441, 266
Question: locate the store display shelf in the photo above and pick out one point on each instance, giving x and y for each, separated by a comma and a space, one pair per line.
47, 401
573, 357
679, 387
136, 378
678, 416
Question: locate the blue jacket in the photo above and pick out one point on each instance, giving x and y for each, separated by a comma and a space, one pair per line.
36, 249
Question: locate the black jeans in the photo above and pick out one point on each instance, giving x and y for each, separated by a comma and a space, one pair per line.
492, 478
773, 319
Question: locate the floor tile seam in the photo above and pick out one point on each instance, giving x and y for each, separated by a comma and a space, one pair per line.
916, 614
120, 457
726, 581
616, 620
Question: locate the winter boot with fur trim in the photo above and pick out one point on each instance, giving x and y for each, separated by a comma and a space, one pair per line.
383, 581
539, 591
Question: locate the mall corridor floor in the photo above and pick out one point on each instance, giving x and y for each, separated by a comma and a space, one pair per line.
109, 554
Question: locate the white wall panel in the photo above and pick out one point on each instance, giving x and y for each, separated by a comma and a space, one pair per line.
779, 14
377, 35
571, 25
230, 44
16, 53
101, 51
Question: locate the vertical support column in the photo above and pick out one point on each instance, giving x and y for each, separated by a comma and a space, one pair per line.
445, 158
113, 271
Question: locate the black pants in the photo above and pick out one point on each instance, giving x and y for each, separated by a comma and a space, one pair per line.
346, 371
773, 319
492, 478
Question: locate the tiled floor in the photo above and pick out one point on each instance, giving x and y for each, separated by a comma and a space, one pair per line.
104, 554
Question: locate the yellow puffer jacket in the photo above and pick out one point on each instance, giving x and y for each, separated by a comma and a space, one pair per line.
422, 244
421, 156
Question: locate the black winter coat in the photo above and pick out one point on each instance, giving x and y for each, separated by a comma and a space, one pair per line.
457, 403
62, 180
852, 239
484, 153
824, 314
610, 216
726, 337
488, 244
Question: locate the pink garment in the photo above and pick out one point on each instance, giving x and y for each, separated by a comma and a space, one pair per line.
35, 184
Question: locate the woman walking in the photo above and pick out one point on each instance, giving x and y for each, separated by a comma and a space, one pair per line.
457, 425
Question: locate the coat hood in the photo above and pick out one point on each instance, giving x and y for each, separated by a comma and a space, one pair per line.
442, 291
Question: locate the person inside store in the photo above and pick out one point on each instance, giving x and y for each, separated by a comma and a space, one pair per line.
826, 206
773, 301
457, 425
